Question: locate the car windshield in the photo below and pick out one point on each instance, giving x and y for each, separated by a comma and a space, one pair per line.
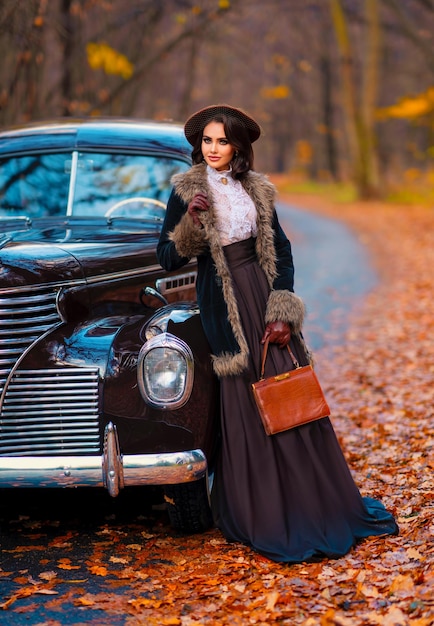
86, 185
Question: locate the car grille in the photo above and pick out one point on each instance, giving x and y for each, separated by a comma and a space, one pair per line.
51, 412
23, 318
45, 412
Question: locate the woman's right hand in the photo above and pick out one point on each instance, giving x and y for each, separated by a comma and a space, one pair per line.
277, 332
199, 203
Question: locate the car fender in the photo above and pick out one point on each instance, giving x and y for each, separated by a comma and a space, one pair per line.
112, 346
191, 425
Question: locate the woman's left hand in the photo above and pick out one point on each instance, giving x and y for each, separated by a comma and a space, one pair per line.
277, 332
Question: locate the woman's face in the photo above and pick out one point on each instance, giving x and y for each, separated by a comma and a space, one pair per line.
216, 149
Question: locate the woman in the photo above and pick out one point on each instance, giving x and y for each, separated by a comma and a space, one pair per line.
290, 496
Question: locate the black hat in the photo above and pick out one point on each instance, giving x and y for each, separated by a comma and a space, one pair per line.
197, 122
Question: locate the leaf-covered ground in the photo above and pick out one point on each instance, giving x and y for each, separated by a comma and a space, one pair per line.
380, 384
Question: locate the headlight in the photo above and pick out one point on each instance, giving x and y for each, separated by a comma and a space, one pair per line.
165, 371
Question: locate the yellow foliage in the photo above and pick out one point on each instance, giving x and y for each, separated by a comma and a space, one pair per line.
412, 174
304, 152
305, 66
102, 56
410, 107
224, 4
280, 60
279, 92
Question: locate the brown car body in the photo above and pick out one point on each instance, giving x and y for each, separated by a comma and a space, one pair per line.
105, 373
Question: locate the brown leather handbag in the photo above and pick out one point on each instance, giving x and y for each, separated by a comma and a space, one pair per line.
289, 399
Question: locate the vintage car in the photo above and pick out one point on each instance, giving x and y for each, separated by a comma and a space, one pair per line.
105, 373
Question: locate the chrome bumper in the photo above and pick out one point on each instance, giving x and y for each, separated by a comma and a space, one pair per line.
111, 470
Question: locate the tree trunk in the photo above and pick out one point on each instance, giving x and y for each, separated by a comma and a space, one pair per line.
359, 113
67, 87
327, 110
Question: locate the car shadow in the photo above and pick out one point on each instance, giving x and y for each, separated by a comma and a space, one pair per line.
61, 510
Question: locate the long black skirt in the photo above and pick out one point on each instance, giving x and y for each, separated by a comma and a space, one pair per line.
290, 496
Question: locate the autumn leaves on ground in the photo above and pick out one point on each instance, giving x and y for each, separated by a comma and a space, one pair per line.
379, 384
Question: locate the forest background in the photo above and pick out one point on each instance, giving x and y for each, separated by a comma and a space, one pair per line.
343, 89
344, 92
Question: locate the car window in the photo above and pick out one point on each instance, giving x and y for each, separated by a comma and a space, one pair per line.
114, 185
34, 185
123, 185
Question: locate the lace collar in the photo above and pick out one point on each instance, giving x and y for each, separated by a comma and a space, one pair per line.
224, 177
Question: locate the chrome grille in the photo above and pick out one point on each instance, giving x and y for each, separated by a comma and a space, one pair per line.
175, 284
23, 318
51, 412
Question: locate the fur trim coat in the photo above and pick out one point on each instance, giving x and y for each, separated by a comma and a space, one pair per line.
181, 240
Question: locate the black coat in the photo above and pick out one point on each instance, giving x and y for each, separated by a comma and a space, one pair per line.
181, 240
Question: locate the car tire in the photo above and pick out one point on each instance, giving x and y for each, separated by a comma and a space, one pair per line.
188, 506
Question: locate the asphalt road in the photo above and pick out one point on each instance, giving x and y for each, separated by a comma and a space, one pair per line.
58, 534
332, 272
38, 529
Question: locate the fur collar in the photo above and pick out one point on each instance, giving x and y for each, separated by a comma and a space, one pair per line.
191, 241
263, 194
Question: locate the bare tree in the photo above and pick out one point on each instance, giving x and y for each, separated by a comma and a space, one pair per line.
412, 28
314, 94
359, 104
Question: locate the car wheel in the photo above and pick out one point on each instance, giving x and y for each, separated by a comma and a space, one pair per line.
188, 506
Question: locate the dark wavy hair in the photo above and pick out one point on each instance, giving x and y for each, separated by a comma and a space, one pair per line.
237, 135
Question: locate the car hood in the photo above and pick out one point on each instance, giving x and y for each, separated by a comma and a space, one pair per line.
58, 254
34, 264
23, 264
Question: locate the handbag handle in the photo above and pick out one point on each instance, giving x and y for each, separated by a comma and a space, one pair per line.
264, 356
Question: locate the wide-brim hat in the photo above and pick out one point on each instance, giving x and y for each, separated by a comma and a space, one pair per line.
197, 122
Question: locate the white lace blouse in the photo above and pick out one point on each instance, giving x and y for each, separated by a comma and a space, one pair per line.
235, 211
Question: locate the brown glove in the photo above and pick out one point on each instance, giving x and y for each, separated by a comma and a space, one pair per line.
277, 332
199, 203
